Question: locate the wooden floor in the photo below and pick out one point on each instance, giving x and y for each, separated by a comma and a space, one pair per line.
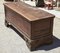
11, 42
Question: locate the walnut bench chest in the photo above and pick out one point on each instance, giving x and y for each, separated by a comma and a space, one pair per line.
34, 24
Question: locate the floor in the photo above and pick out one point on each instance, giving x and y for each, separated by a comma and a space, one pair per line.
11, 42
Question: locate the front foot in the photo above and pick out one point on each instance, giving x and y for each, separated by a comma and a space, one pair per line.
6, 24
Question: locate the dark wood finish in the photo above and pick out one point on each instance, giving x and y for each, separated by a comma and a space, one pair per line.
35, 25
34, 44
8, 0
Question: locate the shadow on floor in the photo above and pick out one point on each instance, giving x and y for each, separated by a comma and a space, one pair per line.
55, 44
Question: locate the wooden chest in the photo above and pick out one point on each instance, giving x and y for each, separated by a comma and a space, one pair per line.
34, 24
